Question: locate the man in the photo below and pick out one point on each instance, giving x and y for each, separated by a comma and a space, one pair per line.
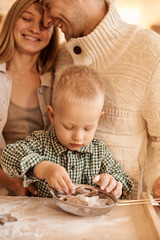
129, 59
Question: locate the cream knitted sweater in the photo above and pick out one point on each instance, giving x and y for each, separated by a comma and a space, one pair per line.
128, 58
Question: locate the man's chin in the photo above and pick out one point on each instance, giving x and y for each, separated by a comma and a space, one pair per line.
67, 37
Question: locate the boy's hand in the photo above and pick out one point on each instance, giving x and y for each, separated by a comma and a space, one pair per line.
109, 184
55, 175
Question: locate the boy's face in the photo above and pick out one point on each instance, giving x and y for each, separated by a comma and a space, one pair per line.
75, 124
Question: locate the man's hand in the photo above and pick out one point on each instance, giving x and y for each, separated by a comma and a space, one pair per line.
156, 188
109, 184
55, 175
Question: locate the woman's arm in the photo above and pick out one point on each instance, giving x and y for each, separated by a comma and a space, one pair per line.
16, 185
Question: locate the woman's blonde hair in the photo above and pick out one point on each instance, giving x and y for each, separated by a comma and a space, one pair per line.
7, 45
78, 84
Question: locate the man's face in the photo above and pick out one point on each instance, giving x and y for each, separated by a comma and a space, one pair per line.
69, 15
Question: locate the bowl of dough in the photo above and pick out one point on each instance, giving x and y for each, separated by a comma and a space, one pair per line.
86, 201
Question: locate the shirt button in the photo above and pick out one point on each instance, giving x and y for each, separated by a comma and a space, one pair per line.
72, 167
77, 50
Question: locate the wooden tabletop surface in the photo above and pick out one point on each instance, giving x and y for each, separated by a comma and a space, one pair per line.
41, 219
157, 209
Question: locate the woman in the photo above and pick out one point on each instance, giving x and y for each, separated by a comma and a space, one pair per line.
27, 56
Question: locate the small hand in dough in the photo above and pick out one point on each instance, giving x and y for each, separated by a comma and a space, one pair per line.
109, 184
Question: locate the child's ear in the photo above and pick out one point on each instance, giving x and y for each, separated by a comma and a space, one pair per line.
50, 111
101, 115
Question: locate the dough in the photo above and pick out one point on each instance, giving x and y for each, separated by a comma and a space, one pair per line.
85, 197
6, 218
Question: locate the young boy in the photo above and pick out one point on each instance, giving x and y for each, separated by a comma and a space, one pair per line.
69, 153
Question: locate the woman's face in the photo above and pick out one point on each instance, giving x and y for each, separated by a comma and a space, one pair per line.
29, 33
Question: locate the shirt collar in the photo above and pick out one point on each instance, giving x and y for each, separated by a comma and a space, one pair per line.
113, 38
3, 67
46, 79
59, 149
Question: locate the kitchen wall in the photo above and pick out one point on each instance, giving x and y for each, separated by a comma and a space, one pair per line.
142, 12
5, 5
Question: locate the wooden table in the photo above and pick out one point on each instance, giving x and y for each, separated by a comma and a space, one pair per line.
41, 219
157, 209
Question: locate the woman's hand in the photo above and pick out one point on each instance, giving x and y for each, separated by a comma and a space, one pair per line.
16, 185
109, 184
20, 190
55, 175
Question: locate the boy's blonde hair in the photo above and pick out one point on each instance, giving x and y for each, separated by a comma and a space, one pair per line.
79, 84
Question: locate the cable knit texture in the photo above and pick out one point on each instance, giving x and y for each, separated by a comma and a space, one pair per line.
128, 59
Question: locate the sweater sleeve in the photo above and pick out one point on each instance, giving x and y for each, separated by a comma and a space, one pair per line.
151, 113
112, 167
21, 156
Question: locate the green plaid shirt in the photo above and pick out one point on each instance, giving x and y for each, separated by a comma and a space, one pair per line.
81, 165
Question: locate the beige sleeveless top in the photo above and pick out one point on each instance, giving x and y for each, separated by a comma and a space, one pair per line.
21, 122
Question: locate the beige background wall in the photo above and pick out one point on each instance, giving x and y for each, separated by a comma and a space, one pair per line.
149, 10
5, 5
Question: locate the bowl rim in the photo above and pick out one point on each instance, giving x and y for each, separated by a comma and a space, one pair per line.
110, 195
